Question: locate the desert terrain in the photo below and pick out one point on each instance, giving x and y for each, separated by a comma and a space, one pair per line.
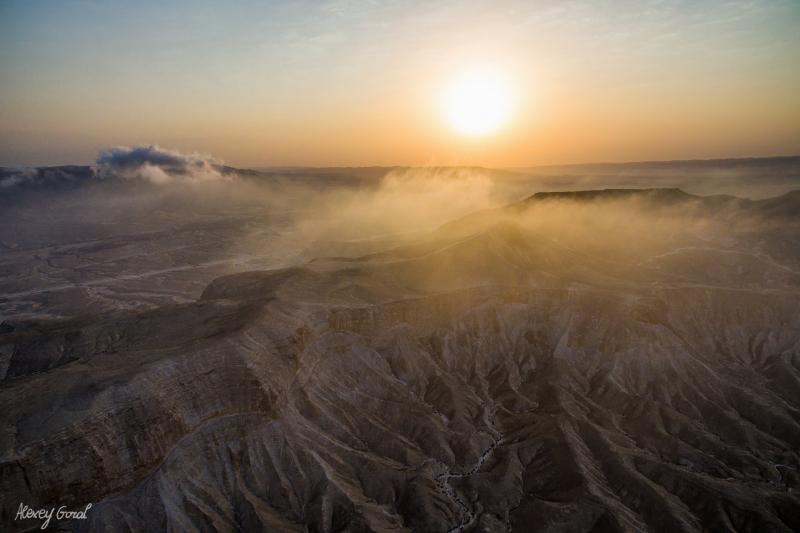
614, 348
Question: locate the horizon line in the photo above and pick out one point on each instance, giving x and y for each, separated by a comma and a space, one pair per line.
504, 168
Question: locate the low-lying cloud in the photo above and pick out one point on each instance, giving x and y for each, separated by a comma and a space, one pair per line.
157, 165
14, 178
17, 176
404, 200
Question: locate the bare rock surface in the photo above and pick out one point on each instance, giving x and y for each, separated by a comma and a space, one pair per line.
498, 374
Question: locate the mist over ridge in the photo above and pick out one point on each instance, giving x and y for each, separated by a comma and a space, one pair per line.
408, 349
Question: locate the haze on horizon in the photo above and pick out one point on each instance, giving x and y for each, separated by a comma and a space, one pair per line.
359, 82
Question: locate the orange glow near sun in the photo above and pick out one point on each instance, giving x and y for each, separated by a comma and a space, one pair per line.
478, 102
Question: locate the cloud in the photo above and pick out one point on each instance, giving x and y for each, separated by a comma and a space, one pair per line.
157, 165
30, 178
403, 201
13, 177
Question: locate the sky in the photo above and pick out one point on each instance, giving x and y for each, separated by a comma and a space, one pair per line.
360, 82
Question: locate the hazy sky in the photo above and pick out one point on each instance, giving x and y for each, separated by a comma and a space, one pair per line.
356, 82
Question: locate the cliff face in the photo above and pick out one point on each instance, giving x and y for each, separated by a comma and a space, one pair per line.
502, 381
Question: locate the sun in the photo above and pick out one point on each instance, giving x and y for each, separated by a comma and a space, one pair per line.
478, 102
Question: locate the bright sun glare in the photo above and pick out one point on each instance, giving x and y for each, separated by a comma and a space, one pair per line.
478, 102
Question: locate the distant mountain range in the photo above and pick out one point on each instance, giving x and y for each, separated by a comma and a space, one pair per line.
776, 167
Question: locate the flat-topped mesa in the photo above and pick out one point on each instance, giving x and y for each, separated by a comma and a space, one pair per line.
621, 199
669, 195
780, 207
